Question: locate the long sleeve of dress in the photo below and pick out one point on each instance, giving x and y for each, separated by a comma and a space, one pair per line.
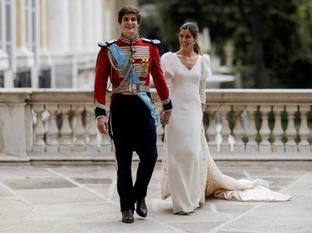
205, 74
165, 62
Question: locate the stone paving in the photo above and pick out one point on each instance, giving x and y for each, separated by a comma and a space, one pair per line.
83, 199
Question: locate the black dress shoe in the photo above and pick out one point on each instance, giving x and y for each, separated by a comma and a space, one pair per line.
141, 208
127, 216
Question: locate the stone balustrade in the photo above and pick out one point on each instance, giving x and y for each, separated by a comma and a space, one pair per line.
258, 124
48, 125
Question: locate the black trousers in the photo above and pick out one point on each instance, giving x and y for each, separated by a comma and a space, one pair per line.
133, 129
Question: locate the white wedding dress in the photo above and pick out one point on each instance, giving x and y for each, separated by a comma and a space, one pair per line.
189, 173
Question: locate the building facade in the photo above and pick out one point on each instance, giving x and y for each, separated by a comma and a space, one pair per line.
53, 43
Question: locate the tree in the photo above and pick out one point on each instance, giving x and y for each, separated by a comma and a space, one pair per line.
273, 38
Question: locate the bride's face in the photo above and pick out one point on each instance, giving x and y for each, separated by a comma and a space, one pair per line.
186, 39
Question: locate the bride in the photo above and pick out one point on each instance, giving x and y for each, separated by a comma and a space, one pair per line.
189, 173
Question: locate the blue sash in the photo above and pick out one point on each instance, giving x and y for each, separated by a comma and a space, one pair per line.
121, 60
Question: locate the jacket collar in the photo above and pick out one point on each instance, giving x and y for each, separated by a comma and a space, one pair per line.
129, 41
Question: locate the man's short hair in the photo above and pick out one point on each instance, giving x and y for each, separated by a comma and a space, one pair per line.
128, 10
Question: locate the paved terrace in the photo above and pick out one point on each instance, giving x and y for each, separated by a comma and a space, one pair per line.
83, 199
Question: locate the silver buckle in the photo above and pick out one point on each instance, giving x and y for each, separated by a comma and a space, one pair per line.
133, 88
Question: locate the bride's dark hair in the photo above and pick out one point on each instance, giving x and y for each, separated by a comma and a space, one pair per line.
192, 27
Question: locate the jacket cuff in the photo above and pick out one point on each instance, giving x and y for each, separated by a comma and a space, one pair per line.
167, 106
99, 112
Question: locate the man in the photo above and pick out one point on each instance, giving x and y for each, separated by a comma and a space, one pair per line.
129, 61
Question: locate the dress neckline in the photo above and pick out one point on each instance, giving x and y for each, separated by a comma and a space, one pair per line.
176, 55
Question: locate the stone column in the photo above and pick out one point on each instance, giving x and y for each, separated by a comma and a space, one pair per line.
108, 21
98, 8
34, 37
76, 35
58, 42
4, 61
8, 63
87, 25
23, 55
114, 7
4, 58
58, 25
13, 123
75, 25
45, 56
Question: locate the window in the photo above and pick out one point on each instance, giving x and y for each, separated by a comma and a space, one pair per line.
45, 78
1, 79
63, 75
23, 79
32, 28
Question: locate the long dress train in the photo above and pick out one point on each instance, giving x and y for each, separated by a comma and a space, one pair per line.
222, 186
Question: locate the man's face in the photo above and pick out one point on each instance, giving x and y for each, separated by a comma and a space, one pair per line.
129, 25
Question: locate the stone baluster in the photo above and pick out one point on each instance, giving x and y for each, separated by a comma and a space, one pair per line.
244, 123
160, 134
52, 133
39, 144
238, 129
205, 122
211, 131
304, 132
225, 131
91, 129
106, 146
265, 145
278, 145
291, 132
65, 131
252, 145
79, 133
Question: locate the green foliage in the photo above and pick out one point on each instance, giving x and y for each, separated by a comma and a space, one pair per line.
272, 39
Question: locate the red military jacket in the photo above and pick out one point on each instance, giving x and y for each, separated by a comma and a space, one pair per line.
145, 61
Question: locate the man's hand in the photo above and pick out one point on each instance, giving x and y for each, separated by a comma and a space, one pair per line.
165, 117
102, 124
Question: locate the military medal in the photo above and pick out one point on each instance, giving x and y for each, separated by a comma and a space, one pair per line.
144, 63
